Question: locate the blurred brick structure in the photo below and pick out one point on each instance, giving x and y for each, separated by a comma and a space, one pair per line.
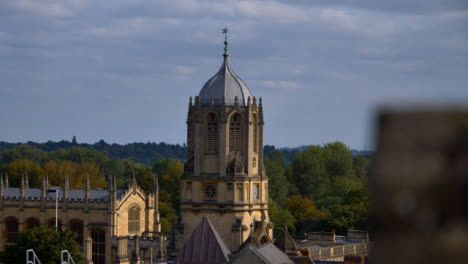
419, 185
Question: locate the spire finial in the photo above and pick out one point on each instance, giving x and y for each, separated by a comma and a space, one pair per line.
225, 32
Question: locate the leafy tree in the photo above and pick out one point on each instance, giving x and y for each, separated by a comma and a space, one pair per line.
302, 208
338, 160
169, 172
17, 168
360, 166
279, 217
279, 186
309, 173
47, 242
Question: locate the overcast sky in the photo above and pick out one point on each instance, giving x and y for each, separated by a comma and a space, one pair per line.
123, 70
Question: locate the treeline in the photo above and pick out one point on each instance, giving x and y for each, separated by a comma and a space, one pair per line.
324, 188
324, 185
145, 153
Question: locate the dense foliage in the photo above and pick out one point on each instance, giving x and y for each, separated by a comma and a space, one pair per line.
47, 243
325, 184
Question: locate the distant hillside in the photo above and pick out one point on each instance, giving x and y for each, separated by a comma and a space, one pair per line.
145, 153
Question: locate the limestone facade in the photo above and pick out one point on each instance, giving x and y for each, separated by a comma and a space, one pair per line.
98, 216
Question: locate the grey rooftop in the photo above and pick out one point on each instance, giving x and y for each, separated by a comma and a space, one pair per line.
73, 194
225, 84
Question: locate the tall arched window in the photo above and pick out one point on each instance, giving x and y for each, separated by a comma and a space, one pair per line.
11, 229
235, 133
76, 226
32, 223
255, 134
134, 220
211, 133
99, 246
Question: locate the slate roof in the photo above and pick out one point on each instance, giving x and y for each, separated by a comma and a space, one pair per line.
205, 245
273, 254
73, 194
225, 83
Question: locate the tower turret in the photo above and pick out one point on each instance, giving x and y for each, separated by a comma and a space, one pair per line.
223, 175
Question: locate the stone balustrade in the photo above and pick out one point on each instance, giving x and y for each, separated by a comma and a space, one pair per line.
338, 252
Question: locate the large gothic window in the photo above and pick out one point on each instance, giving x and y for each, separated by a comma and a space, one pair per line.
12, 226
235, 133
211, 133
134, 220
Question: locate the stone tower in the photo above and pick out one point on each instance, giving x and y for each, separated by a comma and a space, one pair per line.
224, 175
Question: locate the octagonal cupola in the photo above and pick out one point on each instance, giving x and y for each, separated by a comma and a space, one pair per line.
225, 85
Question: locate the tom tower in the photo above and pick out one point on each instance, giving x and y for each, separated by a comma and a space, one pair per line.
224, 175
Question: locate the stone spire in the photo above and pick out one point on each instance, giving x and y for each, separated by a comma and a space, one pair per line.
156, 218
26, 181
66, 186
87, 193
110, 188
22, 188
7, 185
43, 192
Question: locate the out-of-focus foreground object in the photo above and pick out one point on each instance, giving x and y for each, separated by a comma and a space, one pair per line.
419, 185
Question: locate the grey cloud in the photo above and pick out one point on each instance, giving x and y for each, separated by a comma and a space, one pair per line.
119, 67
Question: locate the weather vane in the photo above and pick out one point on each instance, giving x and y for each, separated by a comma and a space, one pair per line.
225, 32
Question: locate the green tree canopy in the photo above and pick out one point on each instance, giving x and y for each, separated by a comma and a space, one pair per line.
47, 242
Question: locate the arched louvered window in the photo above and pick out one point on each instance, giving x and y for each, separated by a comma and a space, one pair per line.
235, 133
134, 220
211, 133
255, 134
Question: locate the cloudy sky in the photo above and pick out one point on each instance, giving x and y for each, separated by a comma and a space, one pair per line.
123, 70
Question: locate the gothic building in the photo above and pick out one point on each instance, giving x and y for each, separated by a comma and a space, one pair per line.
224, 175
112, 226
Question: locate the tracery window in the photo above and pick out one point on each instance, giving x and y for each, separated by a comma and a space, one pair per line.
235, 133
11, 230
212, 133
210, 192
134, 220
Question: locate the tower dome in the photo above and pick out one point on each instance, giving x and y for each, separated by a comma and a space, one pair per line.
225, 83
